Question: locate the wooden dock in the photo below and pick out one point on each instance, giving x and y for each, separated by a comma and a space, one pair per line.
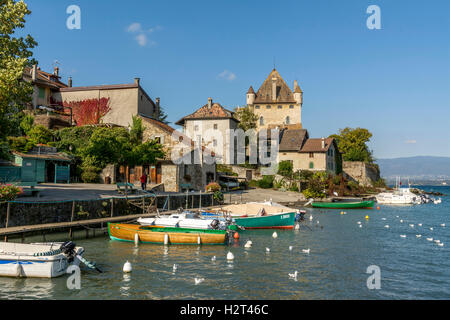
22, 230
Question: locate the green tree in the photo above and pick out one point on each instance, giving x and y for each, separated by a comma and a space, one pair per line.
15, 55
248, 119
285, 168
26, 124
136, 131
146, 153
40, 135
162, 116
353, 144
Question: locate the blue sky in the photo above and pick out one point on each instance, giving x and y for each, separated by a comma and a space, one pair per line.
394, 81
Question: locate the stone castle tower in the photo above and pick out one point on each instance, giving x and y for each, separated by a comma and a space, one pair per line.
275, 104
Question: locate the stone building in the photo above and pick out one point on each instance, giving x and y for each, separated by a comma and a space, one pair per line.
275, 103
169, 172
209, 126
308, 154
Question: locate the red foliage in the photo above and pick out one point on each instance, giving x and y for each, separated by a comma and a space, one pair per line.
89, 111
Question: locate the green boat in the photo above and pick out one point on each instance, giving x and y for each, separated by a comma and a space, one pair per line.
273, 221
344, 205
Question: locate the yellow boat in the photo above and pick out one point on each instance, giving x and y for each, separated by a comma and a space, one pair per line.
163, 235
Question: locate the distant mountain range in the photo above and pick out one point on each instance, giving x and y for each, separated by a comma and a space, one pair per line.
418, 168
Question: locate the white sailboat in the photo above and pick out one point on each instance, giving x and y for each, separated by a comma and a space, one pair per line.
398, 196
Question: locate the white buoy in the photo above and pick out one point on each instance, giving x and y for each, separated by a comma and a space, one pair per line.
267, 249
198, 280
274, 235
290, 248
297, 226
383, 219
136, 239
360, 225
306, 250
431, 229
310, 218
127, 267
317, 221
166, 239
359, 222
230, 255
401, 221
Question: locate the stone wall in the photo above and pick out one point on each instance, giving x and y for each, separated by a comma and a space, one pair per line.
361, 172
109, 171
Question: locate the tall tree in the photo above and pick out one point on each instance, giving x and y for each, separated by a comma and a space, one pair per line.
248, 119
15, 55
353, 144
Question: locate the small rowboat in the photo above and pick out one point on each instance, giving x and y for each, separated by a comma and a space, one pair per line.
164, 235
343, 205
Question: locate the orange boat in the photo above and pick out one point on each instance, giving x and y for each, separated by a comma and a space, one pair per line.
157, 234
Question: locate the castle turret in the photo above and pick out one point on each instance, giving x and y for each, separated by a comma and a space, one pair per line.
251, 96
298, 93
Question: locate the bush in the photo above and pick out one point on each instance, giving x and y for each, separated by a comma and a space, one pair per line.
380, 183
310, 193
253, 183
266, 182
303, 175
294, 187
354, 186
90, 174
213, 187
285, 168
218, 196
9, 192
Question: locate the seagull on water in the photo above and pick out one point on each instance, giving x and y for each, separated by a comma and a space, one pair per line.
267, 249
401, 221
430, 239
198, 280
310, 218
440, 244
213, 258
306, 250
386, 226
403, 236
418, 235
411, 225
431, 229
293, 275
419, 224
383, 219
175, 267
442, 224
248, 244
290, 248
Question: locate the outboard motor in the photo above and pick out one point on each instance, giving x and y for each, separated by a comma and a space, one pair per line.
215, 224
68, 248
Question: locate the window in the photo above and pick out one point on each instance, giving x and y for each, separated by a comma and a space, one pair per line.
158, 139
195, 128
42, 93
288, 120
268, 107
261, 121
215, 143
291, 107
256, 107
311, 165
280, 107
311, 154
215, 126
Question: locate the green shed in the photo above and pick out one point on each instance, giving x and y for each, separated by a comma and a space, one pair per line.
43, 165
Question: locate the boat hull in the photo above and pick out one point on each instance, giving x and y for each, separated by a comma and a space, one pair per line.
276, 221
157, 234
344, 205
17, 260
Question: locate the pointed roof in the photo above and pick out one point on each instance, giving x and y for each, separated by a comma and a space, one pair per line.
250, 90
283, 93
204, 113
297, 87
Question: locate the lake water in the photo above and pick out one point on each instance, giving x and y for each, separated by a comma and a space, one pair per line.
335, 268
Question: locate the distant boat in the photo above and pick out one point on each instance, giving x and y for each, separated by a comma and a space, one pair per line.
398, 196
343, 205
164, 235
444, 183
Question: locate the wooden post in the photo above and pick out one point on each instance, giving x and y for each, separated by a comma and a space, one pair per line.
71, 219
112, 207
143, 205
8, 209
168, 203
200, 201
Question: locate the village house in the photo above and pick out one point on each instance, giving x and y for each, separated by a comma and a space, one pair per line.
209, 126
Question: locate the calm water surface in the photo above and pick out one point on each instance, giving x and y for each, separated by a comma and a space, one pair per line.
411, 267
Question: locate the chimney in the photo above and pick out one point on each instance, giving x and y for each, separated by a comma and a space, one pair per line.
56, 71
70, 82
157, 111
274, 89
34, 72
137, 81
209, 103
323, 143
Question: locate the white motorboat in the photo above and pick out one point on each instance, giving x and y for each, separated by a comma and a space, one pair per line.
186, 220
38, 260
399, 196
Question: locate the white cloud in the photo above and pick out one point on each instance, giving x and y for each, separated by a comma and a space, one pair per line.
142, 35
411, 141
227, 75
134, 27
